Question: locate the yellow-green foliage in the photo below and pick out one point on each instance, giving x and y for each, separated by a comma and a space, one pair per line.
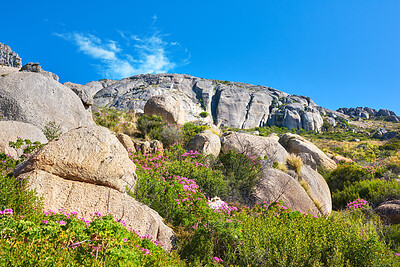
116, 120
295, 162
305, 185
280, 166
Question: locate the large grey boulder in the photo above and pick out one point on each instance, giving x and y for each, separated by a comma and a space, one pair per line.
255, 146
206, 143
389, 211
8, 57
87, 198
37, 99
296, 144
88, 170
90, 154
11, 130
167, 107
277, 185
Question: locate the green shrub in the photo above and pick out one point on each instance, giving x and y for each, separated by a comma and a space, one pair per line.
15, 195
204, 114
375, 191
52, 130
345, 174
64, 239
241, 174
170, 134
150, 127
190, 129
392, 144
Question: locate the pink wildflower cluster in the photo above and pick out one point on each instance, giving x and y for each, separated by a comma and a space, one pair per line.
188, 184
221, 206
217, 260
191, 153
149, 237
6, 212
357, 204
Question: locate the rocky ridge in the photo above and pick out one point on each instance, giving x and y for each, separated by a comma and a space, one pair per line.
231, 104
369, 113
8, 57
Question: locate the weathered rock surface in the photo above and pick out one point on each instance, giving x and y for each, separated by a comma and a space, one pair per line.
8, 57
167, 107
319, 191
206, 143
11, 130
37, 99
35, 67
256, 146
296, 144
88, 198
389, 211
87, 170
91, 154
369, 113
149, 147
82, 92
229, 104
127, 142
277, 185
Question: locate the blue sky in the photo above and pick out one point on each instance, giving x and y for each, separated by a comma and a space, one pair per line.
340, 53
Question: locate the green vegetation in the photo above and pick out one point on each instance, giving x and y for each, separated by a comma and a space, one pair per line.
204, 114
179, 185
52, 130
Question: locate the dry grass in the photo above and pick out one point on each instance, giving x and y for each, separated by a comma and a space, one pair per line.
295, 162
282, 167
305, 185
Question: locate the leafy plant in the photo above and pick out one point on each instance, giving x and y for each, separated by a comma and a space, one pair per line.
52, 130
204, 114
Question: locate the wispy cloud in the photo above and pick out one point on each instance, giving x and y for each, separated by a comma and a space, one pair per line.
136, 54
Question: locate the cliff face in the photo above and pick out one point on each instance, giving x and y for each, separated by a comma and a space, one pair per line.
8, 57
229, 104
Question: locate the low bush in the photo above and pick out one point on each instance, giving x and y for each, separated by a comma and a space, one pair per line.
150, 127
375, 191
241, 174
346, 174
64, 239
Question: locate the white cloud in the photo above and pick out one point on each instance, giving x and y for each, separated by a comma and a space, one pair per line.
148, 54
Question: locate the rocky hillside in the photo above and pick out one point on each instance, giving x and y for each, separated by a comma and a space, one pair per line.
8, 57
231, 104
370, 113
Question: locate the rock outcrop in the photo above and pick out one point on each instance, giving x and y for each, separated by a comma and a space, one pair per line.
206, 143
229, 104
8, 57
389, 211
82, 91
296, 144
369, 113
35, 67
11, 130
255, 146
87, 170
277, 185
167, 107
90, 154
37, 99
308, 192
